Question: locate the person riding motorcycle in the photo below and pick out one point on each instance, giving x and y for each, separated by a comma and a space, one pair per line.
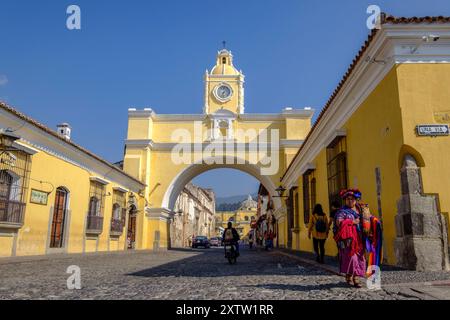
231, 236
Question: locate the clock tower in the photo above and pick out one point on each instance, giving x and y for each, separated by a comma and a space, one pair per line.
224, 86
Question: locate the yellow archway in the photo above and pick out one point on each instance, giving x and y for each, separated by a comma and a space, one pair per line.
154, 142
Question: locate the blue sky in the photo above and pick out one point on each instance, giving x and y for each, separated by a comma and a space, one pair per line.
154, 53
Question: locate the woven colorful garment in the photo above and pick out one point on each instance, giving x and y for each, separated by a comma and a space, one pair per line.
374, 244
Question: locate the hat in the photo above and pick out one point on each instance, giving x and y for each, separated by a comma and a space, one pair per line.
351, 192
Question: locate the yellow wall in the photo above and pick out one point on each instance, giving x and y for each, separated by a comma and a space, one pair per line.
239, 219
374, 139
34, 237
380, 132
424, 91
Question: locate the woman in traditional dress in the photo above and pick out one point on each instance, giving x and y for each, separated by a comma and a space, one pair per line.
349, 238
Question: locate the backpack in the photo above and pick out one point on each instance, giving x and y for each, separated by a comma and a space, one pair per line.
229, 235
321, 226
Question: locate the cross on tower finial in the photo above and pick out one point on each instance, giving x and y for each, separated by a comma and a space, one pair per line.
224, 44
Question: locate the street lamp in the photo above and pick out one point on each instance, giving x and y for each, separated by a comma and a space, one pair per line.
280, 190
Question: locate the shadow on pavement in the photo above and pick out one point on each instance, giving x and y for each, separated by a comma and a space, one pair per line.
212, 263
293, 287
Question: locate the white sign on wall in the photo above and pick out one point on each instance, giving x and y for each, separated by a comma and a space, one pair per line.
433, 130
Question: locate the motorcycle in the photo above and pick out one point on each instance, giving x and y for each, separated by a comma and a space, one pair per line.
230, 253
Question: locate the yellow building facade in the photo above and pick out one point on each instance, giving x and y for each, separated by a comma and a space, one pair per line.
370, 136
56, 197
241, 218
166, 151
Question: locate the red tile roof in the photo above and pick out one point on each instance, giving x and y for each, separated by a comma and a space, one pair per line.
56, 135
385, 20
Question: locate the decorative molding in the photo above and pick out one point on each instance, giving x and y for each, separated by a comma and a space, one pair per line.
140, 143
179, 117
286, 143
168, 146
29, 150
99, 180
307, 167
161, 214
146, 113
294, 114
335, 134
120, 189
286, 114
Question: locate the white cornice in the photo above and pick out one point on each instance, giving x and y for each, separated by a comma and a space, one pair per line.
179, 117
333, 135
292, 114
150, 114
286, 114
21, 146
146, 113
139, 143
99, 180
285, 143
161, 214
389, 45
168, 146
120, 189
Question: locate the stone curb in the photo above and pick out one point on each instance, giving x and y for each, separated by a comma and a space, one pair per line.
310, 262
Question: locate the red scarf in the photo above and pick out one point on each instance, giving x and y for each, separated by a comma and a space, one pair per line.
347, 230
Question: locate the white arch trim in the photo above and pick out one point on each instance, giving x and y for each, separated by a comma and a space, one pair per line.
194, 170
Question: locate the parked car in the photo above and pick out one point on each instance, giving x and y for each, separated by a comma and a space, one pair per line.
214, 242
201, 241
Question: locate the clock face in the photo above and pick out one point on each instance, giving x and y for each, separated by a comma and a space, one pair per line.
223, 92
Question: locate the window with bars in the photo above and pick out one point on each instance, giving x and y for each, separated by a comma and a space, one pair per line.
306, 199
337, 169
119, 212
313, 193
309, 194
97, 196
296, 210
14, 180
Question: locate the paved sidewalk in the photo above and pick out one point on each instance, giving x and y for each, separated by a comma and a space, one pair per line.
397, 281
179, 274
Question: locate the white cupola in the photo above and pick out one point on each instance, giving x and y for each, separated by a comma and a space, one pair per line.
64, 130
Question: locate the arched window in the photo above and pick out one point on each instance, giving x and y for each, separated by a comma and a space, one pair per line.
246, 218
224, 60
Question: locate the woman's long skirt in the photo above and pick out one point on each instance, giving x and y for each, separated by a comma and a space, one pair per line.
354, 265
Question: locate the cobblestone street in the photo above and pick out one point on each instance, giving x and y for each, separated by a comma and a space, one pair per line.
181, 274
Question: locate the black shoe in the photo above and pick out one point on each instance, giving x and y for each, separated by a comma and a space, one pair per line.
318, 259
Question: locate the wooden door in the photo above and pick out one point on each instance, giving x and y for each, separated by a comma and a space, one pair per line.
59, 216
131, 234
